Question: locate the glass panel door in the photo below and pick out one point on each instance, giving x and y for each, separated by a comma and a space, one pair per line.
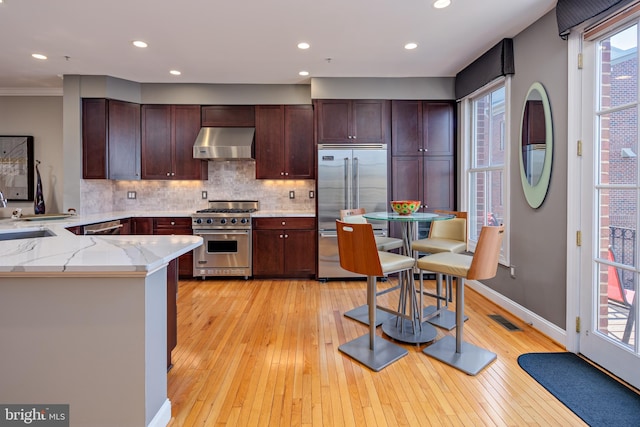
610, 190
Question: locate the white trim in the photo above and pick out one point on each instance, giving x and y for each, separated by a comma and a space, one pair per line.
163, 416
527, 316
466, 135
574, 174
31, 91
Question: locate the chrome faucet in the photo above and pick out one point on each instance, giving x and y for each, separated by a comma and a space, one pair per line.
3, 201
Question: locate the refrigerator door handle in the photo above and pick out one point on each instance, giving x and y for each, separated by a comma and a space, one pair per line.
347, 187
329, 234
356, 183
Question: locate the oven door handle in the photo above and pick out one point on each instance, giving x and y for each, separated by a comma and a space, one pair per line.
217, 232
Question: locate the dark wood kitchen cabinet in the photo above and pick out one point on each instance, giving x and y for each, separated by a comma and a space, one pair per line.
228, 115
178, 226
284, 142
172, 309
168, 134
110, 139
284, 247
142, 226
149, 226
422, 148
352, 121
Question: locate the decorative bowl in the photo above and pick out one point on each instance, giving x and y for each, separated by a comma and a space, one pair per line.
405, 207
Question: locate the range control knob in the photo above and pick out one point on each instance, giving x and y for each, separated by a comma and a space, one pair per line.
209, 221
244, 220
199, 221
233, 220
223, 221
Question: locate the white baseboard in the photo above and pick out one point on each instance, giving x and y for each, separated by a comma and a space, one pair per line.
532, 319
163, 416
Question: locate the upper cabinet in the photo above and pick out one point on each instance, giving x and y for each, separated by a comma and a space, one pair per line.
422, 128
168, 134
422, 148
284, 142
352, 121
110, 139
228, 115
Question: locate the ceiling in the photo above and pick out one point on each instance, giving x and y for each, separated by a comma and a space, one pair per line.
249, 41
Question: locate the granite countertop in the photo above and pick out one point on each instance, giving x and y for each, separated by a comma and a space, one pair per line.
65, 253
266, 213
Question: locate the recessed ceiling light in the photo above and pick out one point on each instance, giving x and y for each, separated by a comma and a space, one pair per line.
38, 56
139, 43
304, 73
303, 45
175, 72
410, 46
441, 4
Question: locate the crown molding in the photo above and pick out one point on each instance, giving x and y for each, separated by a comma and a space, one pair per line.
31, 91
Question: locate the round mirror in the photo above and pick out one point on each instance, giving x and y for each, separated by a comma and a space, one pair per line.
536, 141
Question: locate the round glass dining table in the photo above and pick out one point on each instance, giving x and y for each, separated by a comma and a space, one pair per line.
409, 325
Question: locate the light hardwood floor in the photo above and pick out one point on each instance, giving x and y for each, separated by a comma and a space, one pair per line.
265, 353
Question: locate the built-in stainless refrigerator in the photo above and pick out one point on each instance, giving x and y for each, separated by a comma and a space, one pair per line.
349, 176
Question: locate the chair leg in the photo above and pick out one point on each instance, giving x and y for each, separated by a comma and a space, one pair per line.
444, 319
629, 325
371, 302
454, 351
371, 350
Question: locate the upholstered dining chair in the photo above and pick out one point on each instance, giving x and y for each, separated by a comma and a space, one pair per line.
383, 243
359, 254
625, 297
483, 264
444, 236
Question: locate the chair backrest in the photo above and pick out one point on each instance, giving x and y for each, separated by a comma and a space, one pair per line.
614, 285
357, 249
454, 229
353, 216
485, 259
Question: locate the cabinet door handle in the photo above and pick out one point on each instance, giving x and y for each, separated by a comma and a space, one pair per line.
281, 236
284, 223
168, 174
281, 173
172, 173
173, 223
286, 173
420, 149
286, 236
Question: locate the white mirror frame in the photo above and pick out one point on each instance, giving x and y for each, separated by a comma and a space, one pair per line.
535, 194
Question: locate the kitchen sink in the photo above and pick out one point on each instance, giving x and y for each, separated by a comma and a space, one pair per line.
25, 234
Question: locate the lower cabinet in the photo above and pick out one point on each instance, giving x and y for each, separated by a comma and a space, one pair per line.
284, 247
172, 309
182, 266
168, 226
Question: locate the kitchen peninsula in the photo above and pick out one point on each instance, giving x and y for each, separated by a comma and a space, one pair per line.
83, 321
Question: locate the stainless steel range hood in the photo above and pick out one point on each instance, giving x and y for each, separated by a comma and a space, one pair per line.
218, 143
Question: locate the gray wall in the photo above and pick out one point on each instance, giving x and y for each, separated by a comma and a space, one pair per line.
538, 244
41, 117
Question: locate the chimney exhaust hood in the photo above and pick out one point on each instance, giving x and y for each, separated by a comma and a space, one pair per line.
225, 143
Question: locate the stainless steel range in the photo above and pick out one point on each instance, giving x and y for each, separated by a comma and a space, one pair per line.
225, 227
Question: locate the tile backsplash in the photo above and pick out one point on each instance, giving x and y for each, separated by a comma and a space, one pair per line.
228, 180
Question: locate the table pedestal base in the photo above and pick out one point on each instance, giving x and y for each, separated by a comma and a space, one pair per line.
385, 352
404, 330
361, 314
470, 360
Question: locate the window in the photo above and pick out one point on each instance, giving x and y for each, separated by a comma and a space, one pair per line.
485, 152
